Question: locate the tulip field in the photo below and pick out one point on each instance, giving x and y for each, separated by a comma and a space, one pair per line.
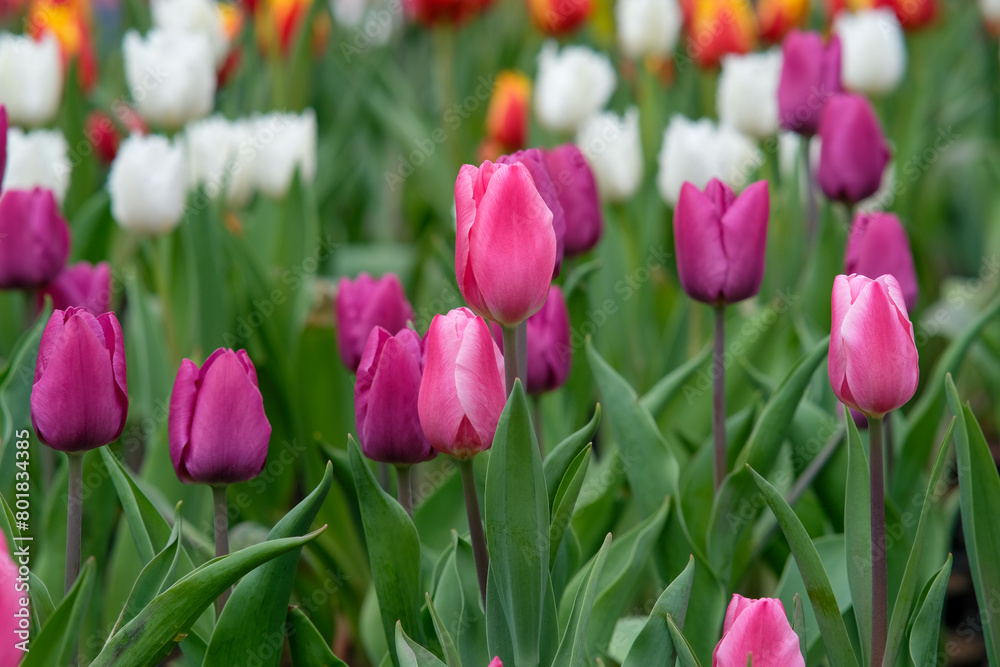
485, 333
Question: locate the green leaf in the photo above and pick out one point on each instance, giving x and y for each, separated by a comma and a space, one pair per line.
573, 649
451, 655
56, 643
799, 624
857, 535
824, 603
412, 654
685, 654
565, 501
308, 648
257, 608
656, 399
654, 643
16, 380
150, 530
458, 599
41, 602
927, 622
557, 461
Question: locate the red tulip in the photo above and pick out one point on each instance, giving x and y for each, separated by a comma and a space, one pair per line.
103, 135
362, 305
15, 618
507, 114
34, 238
549, 353
757, 630
81, 285
434, 12
577, 190
778, 17
534, 160
810, 76
718, 27
912, 13
558, 17
878, 245
854, 151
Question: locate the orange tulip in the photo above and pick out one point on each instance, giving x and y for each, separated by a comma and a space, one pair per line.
778, 17
69, 22
507, 115
278, 22
557, 17
718, 27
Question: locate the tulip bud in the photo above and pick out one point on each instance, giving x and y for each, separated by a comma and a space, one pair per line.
549, 353
495, 662
148, 184
462, 391
719, 27
708, 226
778, 17
877, 246
571, 85
912, 14
558, 17
613, 149
103, 135
990, 9
196, 17
538, 166
215, 161
810, 75
874, 58
385, 398
14, 608
757, 630
288, 146
83, 286
3, 142
505, 246
34, 238
648, 27
577, 190
37, 159
365, 304
507, 115
217, 428
31, 78
79, 400
854, 151
873, 356
748, 93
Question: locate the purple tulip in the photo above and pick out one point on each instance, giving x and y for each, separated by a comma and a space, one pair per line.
878, 245
385, 398
720, 241
549, 353
79, 400
34, 238
810, 75
14, 610
854, 152
3, 140
217, 427
577, 190
82, 285
366, 303
538, 167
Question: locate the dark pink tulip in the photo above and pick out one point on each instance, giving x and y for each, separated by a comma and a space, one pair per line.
462, 391
82, 285
854, 152
505, 245
549, 353
720, 241
3, 140
757, 629
217, 426
577, 189
13, 603
80, 397
536, 162
873, 358
810, 75
878, 245
495, 662
385, 398
363, 304
34, 238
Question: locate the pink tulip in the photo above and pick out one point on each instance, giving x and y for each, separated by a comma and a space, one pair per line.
385, 398
873, 357
362, 305
79, 400
758, 630
218, 431
720, 241
13, 603
810, 75
82, 285
505, 247
34, 238
495, 662
3, 140
854, 152
549, 353
878, 245
577, 189
534, 159
462, 392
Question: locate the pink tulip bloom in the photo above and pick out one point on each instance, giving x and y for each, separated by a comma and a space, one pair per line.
217, 427
3, 140
873, 358
577, 190
462, 391
549, 353
757, 629
810, 75
495, 662
363, 304
34, 238
13, 603
854, 152
82, 285
720, 241
534, 159
878, 245
79, 400
505, 247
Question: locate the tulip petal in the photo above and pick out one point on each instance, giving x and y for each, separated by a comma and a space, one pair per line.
46, 346
744, 240
837, 359
440, 412
114, 342
182, 400
701, 257
470, 182
761, 631
479, 379
737, 606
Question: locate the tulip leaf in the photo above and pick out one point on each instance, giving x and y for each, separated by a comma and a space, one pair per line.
565, 501
799, 624
685, 654
498, 632
574, 649
654, 643
451, 654
824, 603
656, 399
927, 622
257, 608
207, 288
558, 461
56, 643
150, 531
16, 380
857, 534
41, 602
308, 648
979, 496
393, 550
458, 599
412, 654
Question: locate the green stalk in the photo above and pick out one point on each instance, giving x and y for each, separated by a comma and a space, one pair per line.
879, 556
719, 396
74, 517
476, 535
404, 488
221, 535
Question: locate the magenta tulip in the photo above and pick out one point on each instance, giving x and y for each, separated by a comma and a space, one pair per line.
810, 75
462, 391
34, 238
385, 398
536, 162
720, 241
757, 630
495, 662
873, 358
82, 285
878, 245
363, 304
549, 353
79, 400
3, 140
14, 611
217, 426
577, 190
854, 152
505, 247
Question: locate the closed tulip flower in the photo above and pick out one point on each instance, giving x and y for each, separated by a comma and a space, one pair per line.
577, 190
35, 238
505, 248
289, 146
748, 93
495, 662
878, 245
757, 630
31, 78
201, 17
462, 391
571, 86
101, 132
854, 152
13, 602
538, 166
779, 17
37, 159
558, 17
79, 400
507, 115
874, 51
549, 353
82, 285
443, 12
613, 148
912, 14
810, 75
364, 304
148, 184
648, 27
719, 27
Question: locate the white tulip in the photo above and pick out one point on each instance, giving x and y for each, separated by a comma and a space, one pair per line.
748, 92
221, 158
201, 17
171, 75
648, 27
282, 143
571, 86
37, 159
373, 22
874, 52
613, 149
148, 184
698, 151
990, 10
31, 78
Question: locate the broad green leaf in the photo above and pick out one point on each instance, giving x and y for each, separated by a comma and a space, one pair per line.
451, 655
150, 530
831, 553
927, 622
573, 649
857, 535
41, 602
457, 598
308, 648
412, 654
56, 643
657, 398
16, 380
654, 644
685, 654
799, 624
565, 501
498, 632
557, 461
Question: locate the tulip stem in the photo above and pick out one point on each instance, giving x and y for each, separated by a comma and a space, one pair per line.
719, 395
479, 552
879, 555
515, 355
404, 488
221, 535
74, 517
812, 208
